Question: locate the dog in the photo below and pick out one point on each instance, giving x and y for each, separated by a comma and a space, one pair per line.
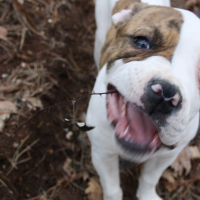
148, 54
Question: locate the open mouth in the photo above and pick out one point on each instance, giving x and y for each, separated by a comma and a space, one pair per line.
134, 129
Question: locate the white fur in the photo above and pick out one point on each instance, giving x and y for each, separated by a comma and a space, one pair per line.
137, 75
103, 10
157, 2
182, 70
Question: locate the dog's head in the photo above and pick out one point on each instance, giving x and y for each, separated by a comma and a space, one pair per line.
152, 54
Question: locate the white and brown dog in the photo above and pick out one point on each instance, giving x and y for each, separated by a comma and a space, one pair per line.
150, 53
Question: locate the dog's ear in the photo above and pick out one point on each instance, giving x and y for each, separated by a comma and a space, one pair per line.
124, 15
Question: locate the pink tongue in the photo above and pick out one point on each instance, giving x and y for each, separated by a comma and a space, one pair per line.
131, 123
140, 124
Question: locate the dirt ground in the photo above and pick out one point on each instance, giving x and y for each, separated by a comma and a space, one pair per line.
46, 57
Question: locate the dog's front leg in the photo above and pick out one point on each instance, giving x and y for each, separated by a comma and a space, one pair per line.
107, 166
151, 173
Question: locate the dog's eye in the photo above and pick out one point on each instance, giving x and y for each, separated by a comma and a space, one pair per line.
141, 42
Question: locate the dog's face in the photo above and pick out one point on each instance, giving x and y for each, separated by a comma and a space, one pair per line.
152, 61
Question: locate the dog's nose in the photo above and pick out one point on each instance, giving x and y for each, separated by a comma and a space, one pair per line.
168, 92
163, 97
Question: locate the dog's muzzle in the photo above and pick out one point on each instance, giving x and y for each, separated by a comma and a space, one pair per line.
134, 128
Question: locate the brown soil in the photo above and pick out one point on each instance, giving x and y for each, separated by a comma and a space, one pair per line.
41, 162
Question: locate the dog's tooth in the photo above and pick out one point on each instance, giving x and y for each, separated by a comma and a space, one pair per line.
124, 109
126, 131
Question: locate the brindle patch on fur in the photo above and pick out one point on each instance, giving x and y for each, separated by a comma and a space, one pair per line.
106, 45
161, 25
175, 24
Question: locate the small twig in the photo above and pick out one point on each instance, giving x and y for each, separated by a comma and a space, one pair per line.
73, 103
73, 62
63, 60
10, 54
58, 104
36, 165
77, 186
43, 2
14, 161
4, 184
25, 19
20, 146
9, 184
24, 30
195, 195
9, 88
5, 11
50, 192
26, 149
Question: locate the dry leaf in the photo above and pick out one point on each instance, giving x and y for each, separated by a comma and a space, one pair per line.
171, 187
3, 32
167, 174
69, 135
191, 3
20, 2
3, 118
85, 175
195, 153
34, 103
195, 175
9, 88
94, 189
183, 161
171, 183
7, 107
67, 167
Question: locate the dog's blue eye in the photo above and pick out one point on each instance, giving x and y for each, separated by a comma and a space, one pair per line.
141, 42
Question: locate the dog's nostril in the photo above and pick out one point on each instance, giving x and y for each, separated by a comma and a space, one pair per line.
168, 93
175, 99
157, 88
